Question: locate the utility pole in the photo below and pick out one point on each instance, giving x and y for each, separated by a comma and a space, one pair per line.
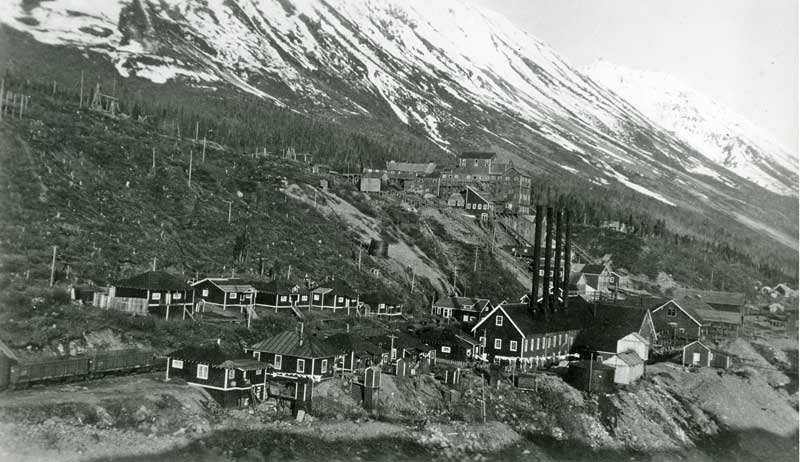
154, 161
2, 96
155, 259
475, 266
204, 149
80, 101
196, 130
289, 273
413, 280
591, 364
190, 168
455, 273
53, 267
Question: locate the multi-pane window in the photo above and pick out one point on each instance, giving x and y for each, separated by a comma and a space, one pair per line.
513, 345
445, 349
205, 292
671, 311
498, 343
156, 296
177, 364
324, 366
202, 371
498, 320
278, 362
301, 366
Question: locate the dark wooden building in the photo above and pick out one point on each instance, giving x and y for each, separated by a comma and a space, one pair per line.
335, 295
683, 320
478, 202
723, 301
225, 293
450, 344
166, 295
699, 354
277, 294
376, 304
463, 309
230, 377
293, 353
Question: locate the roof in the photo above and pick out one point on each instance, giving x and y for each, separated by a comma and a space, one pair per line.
593, 268
346, 342
445, 336
154, 280
8, 352
337, 286
638, 337
485, 195
630, 358
373, 175
276, 286
603, 325
688, 306
288, 343
246, 364
457, 195
536, 322
726, 317
477, 155
215, 355
714, 297
228, 284
410, 167
702, 344
375, 298
592, 280
462, 303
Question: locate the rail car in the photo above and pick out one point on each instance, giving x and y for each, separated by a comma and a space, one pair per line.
85, 367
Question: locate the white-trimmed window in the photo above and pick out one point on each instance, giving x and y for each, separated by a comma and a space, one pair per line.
445, 349
439, 310
177, 364
525, 345
324, 366
205, 293
559, 340
177, 295
466, 318
498, 320
513, 345
538, 346
316, 297
483, 342
283, 298
233, 295
541, 272
341, 299
202, 371
498, 343
155, 296
304, 298
277, 362
258, 371
257, 355
231, 374
301, 366
671, 311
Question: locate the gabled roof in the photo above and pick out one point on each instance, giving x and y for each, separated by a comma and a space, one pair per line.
630, 358
537, 322
591, 280
337, 286
154, 280
374, 299
228, 284
705, 346
727, 317
462, 303
714, 297
594, 269
288, 343
689, 307
603, 325
247, 364
278, 286
348, 342
214, 355
457, 195
477, 155
373, 175
637, 337
484, 195
8, 352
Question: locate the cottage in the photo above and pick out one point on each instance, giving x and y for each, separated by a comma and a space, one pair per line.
295, 354
279, 293
380, 305
463, 309
229, 377
699, 354
353, 351
628, 367
450, 345
479, 202
513, 333
225, 293
397, 345
371, 181
163, 294
335, 295
591, 376
600, 278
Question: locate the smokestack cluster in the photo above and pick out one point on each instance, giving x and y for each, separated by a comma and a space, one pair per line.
557, 229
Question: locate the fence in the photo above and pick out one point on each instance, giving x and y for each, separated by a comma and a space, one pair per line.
452, 363
136, 306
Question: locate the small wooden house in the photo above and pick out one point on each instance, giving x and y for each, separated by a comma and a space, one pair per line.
229, 377
463, 309
591, 376
450, 344
165, 295
380, 305
335, 295
353, 351
225, 293
296, 354
699, 354
277, 294
628, 367
456, 200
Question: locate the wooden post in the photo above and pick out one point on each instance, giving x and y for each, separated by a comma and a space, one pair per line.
413, 280
2, 96
475, 266
80, 101
289, 273
190, 168
53, 267
359, 258
155, 259
54, 88
204, 149
21, 105
154, 161
196, 131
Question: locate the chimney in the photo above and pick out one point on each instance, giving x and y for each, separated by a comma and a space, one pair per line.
557, 264
537, 243
548, 259
567, 256
301, 334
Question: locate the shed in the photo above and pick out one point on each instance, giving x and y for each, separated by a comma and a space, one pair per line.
628, 367
592, 376
699, 354
636, 343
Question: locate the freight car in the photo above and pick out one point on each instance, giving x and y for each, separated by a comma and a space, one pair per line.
24, 374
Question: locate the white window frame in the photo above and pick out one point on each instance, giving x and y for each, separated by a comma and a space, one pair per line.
177, 296
324, 366
524, 345
155, 296
231, 374
316, 297
257, 355
301, 366
277, 362
672, 312
304, 298
466, 318
258, 371
177, 364
205, 293
512, 345
445, 349
283, 298
498, 320
340, 299
233, 296
202, 371
538, 346
483, 342
498, 344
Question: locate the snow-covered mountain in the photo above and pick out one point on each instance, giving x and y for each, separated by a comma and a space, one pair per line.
457, 74
715, 131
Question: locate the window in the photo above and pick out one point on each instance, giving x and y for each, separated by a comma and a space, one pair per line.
257, 355
394, 353
445, 349
233, 295
202, 371
537, 343
278, 362
156, 296
541, 272
304, 298
525, 345
559, 340
341, 299
177, 364
513, 345
671, 312
205, 292
483, 342
301, 366
231, 374
316, 297
498, 320
283, 298
324, 366
466, 318
258, 371
611, 280
177, 295
438, 310
498, 344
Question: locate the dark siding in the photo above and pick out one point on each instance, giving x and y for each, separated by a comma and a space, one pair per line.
215, 295
507, 332
671, 335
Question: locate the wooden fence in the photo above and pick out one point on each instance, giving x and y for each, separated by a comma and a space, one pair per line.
136, 306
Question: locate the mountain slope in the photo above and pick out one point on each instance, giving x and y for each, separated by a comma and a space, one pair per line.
715, 131
457, 75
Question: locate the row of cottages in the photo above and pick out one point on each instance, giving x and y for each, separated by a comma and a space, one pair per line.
225, 293
231, 378
463, 309
516, 334
379, 305
161, 293
682, 320
280, 293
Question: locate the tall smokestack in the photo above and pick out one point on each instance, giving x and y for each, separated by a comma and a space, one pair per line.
557, 264
537, 254
567, 257
548, 259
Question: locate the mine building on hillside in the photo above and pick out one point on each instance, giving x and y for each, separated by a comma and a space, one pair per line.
160, 293
463, 309
296, 354
231, 378
605, 328
479, 203
225, 293
372, 181
450, 344
722, 301
682, 320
